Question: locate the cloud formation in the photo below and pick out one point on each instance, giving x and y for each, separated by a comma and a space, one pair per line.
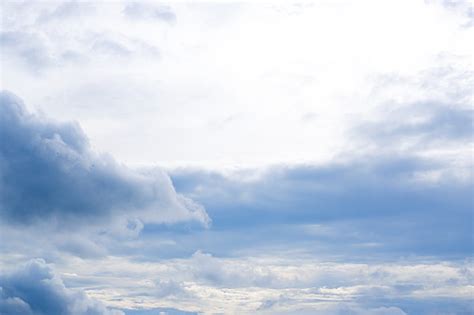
284, 283
48, 171
381, 225
376, 200
36, 289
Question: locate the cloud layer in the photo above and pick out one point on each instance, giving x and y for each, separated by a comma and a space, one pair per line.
366, 205
330, 144
284, 283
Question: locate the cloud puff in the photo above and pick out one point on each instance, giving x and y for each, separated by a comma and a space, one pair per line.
48, 170
36, 289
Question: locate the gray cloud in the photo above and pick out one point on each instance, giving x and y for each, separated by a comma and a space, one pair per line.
36, 289
426, 123
378, 201
48, 170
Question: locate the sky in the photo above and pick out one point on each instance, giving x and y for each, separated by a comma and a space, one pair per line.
252, 157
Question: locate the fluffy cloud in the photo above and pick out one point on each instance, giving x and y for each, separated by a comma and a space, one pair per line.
49, 172
36, 289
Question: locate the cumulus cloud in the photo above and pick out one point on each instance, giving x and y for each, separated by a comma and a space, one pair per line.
37, 289
49, 171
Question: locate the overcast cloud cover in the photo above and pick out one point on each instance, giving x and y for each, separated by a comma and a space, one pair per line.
237, 158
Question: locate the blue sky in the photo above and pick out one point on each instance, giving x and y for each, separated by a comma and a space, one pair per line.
236, 158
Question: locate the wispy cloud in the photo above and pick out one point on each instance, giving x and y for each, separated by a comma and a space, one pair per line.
147, 11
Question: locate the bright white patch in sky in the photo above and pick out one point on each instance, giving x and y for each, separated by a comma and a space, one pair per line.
218, 84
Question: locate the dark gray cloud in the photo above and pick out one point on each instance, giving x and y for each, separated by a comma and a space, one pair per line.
48, 170
36, 289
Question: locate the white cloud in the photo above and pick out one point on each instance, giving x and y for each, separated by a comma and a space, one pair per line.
270, 284
268, 64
